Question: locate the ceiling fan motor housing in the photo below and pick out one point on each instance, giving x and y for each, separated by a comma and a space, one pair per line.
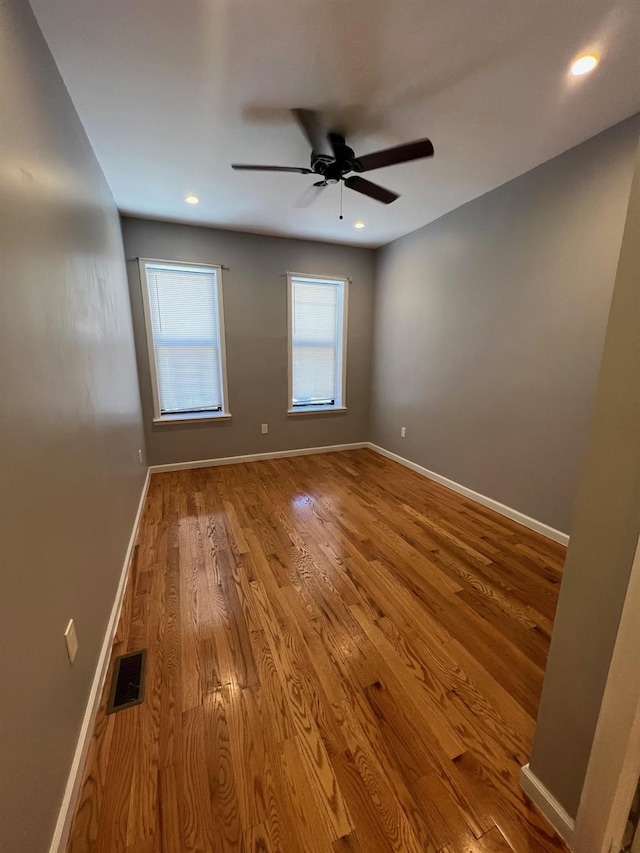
334, 168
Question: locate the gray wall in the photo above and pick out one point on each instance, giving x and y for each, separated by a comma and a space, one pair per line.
489, 325
256, 333
70, 426
604, 538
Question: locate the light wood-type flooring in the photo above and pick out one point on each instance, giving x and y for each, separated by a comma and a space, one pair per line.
342, 656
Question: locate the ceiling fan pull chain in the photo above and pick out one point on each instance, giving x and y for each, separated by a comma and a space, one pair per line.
341, 187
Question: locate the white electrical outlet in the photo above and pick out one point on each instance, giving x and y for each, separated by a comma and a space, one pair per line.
403, 432
71, 640
140, 456
264, 428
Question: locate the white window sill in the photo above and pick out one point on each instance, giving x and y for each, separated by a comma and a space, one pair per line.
195, 417
319, 410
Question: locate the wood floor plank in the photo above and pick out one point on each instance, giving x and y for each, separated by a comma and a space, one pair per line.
257, 840
198, 831
343, 656
380, 819
418, 755
170, 809
114, 813
348, 844
364, 734
520, 823
142, 825
89, 808
300, 788
247, 753
189, 618
494, 842
436, 712
222, 782
170, 736
446, 818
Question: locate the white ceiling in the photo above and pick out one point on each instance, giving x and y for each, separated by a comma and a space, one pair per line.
172, 91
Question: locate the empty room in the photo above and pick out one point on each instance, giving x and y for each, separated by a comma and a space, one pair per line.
320, 506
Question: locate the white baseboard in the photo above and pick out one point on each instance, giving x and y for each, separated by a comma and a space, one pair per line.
547, 804
70, 798
496, 506
255, 457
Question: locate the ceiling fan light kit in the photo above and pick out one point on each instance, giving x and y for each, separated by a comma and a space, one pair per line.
334, 161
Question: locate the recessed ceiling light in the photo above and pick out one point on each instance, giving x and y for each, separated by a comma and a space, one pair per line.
359, 225
192, 199
584, 64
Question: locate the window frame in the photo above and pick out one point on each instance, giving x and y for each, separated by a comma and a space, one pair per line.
183, 417
340, 405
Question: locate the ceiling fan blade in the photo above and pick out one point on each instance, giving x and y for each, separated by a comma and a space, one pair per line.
250, 168
312, 126
310, 194
400, 154
361, 185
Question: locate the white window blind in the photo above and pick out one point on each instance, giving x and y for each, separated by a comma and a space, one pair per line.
184, 313
316, 342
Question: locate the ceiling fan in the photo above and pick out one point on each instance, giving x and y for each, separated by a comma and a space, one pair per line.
332, 159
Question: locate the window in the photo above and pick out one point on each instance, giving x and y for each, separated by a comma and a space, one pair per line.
185, 335
317, 333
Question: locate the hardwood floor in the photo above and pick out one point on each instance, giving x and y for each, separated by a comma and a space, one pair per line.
342, 656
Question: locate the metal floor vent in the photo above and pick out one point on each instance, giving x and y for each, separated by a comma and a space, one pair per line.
127, 686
